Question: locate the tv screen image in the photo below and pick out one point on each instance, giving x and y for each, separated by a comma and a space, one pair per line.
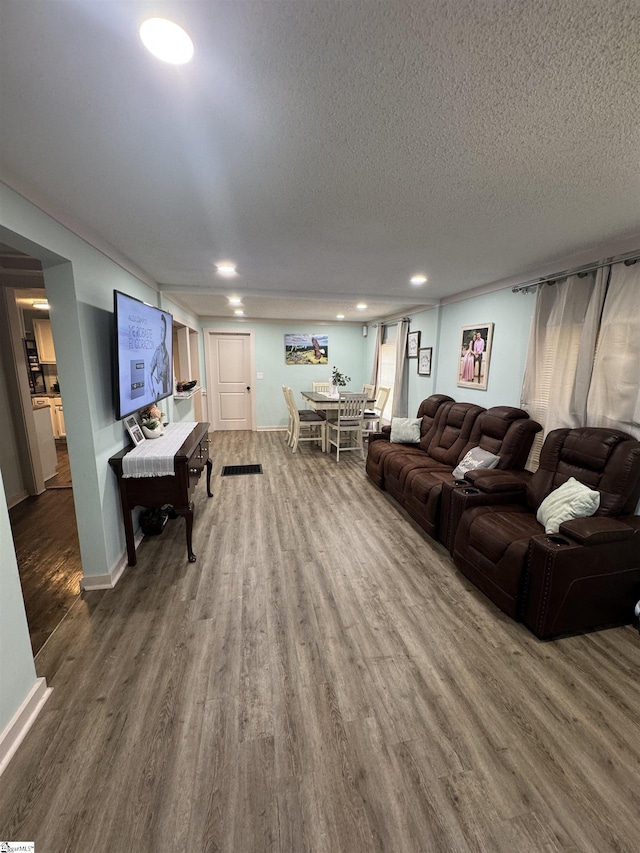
144, 356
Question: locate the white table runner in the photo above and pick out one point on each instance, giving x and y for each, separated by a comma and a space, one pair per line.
154, 456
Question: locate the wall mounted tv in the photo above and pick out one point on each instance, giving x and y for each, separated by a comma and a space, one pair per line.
143, 354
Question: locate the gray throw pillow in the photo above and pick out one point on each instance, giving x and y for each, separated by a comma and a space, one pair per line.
405, 430
475, 458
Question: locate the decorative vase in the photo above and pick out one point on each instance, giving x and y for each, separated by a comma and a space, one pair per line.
153, 433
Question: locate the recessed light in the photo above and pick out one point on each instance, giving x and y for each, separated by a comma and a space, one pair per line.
40, 306
166, 41
339, 316
418, 279
361, 306
239, 312
226, 269
235, 300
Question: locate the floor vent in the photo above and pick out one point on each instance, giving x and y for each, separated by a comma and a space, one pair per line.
234, 470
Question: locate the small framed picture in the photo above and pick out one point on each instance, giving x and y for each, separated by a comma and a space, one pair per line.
424, 361
133, 428
413, 344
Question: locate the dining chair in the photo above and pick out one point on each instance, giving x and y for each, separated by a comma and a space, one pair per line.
369, 390
321, 387
349, 422
285, 390
373, 417
306, 425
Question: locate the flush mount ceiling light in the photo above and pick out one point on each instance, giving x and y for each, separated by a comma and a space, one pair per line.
166, 41
239, 312
361, 306
339, 316
41, 306
235, 300
226, 269
418, 279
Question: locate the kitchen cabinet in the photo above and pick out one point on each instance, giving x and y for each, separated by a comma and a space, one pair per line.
44, 341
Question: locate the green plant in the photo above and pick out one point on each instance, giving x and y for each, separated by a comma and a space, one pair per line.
151, 417
338, 378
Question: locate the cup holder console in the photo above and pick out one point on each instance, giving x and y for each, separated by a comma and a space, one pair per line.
557, 540
471, 491
459, 482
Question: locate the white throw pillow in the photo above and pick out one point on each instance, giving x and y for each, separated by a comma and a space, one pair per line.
475, 458
405, 430
570, 500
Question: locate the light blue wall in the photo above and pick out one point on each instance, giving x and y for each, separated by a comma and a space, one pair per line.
347, 351
17, 671
441, 328
80, 282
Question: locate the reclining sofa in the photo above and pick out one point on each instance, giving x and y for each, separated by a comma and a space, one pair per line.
414, 474
586, 576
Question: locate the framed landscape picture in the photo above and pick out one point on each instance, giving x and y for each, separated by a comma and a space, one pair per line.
306, 349
474, 356
424, 361
413, 344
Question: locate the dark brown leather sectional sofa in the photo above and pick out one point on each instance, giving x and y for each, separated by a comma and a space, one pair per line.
414, 474
586, 577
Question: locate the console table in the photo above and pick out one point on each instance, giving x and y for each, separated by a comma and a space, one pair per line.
176, 490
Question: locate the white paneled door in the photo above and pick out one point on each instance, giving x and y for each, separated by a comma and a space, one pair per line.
229, 357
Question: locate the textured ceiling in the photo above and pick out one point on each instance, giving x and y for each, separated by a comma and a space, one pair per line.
331, 149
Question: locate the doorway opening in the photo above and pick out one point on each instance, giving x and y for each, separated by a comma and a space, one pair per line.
35, 459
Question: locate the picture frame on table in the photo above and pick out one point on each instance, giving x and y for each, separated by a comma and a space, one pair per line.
424, 361
413, 344
474, 356
133, 428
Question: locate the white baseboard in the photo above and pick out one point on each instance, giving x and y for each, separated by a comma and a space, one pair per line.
108, 581
22, 720
271, 429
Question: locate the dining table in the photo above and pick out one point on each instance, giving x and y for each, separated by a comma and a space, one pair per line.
327, 403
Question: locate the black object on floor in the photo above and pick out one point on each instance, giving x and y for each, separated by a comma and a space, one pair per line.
233, 470
152, 521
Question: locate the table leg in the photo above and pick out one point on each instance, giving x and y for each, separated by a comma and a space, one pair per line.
187, 513
128, 527
209, 465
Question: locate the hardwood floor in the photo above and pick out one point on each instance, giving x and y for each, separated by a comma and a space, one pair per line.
48, 552
321, 679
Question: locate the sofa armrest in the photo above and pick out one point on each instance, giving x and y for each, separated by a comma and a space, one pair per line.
596, 530
570, 587
379, 436
494, 481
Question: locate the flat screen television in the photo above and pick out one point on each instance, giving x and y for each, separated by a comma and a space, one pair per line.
143, 354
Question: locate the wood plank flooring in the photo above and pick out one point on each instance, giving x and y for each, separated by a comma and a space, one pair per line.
321, 679
48, 552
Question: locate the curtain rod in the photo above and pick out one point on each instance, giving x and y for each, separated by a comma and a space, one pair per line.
629, 258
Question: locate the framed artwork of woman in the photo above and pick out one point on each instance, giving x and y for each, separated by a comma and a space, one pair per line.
475, 356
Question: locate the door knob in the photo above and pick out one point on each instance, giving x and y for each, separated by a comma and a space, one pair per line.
248, 387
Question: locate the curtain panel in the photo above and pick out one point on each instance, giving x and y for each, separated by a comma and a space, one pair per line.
583, 356
400, 381
614, 393
376, 354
